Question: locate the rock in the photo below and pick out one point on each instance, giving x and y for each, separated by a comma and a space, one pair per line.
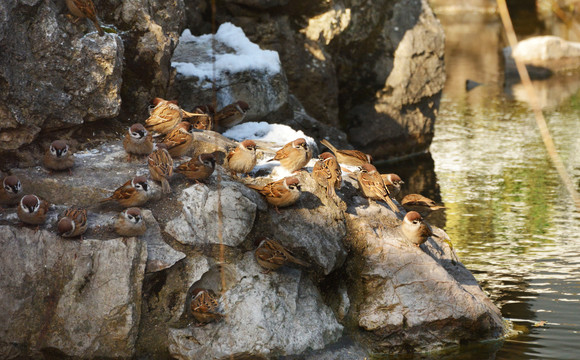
406, 292
550, 52
280, 313
241, 71
159, 255
198, 223
53, 75
78, 298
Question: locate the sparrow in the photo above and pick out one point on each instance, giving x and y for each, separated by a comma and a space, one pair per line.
199, 168
73, 222
138, 141
10, 191
58, 156
415, 229
281, 193
231, 115
164, 117
202, 117
161, 166
242, 159
372, 185
327, 173
130, 223
421, 204
32, 210
134, 192
393, 183
180, 140
271, 255
85, 9
348, 157
294, 155
205, 306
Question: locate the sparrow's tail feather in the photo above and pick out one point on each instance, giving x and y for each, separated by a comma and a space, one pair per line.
98, 26
391, 204
328, 145
165, 186
297, 261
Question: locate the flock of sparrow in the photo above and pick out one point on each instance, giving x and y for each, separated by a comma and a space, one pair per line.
176, 127
174, 137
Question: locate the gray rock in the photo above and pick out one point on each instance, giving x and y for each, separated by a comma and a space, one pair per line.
409, 290
263, 87
198, 223
280, 313
53, 74
82, 298
159, 255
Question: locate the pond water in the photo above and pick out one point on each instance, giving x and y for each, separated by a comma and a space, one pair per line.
511, 220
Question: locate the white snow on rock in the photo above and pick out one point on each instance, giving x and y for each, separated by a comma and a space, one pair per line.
239, 54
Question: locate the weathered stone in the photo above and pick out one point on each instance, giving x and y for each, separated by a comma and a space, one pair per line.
263, 87
81, 298
406, 290
279, 313
198, 224
160, 256
52, 75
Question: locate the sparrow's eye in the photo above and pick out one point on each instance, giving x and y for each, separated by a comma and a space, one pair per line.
129, 216
64, 151
7, 188
415, 221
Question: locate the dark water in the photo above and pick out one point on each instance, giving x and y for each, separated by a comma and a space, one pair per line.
510, 218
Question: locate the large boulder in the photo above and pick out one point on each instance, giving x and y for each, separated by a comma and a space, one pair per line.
73, 298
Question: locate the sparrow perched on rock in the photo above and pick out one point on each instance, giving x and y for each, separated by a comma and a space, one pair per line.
393, 183
10, 191
271, 255
415, 229
421, 204
205, 306
73, 222
161, 166
294, 155
134, 192
130, 223
199, 168
180, 140
242, 159
231, 115
164, 117
32, 210
58, 156
281, 193
348, 157
327, 173
372, 185
202, 117
138, 141
85, 9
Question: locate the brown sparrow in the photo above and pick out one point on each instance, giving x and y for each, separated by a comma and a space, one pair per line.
138, 141
85, 9
372, 185
421, 204
180, 140
58, 156
201, 118
10, 191
271, 255
294, 155
327, 173
242, 159
164, 117
130, 223
281, 193
393, 183
231, 115
32, 210
73, 222
199, 168
415, 229
134, 192
161, 166
205, 306
348, 157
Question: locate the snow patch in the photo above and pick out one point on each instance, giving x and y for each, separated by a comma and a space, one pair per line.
246, 55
